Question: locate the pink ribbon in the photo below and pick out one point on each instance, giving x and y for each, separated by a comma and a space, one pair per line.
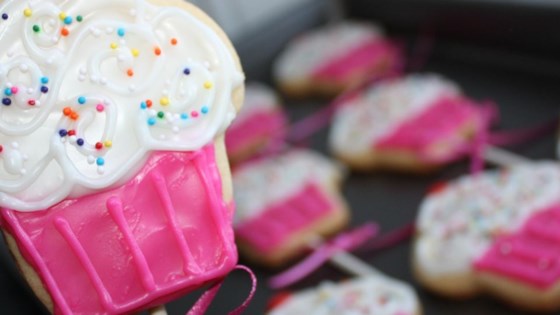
204, 302
344, 242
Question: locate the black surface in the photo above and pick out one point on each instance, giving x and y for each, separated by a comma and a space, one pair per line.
525, 97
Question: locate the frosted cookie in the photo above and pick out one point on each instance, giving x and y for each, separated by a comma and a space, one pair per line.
372, 295
332, 59
416, 123
115, 191
258, 125
497, 233
284, 202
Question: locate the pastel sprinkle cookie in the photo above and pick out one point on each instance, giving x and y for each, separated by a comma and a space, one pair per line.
115, 190
496, 233
329, 60
284, 202
416, 123
372, 295
259, 125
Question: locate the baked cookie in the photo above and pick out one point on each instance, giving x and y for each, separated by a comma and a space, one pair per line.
332, 59
496, 233
260, 124
115, 191
416, 123
372, 295
284, 202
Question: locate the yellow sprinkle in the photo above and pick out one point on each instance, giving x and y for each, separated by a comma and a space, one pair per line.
62, 15
114, 45
164, 101
208, 85
135, 52
27, 12
108, 144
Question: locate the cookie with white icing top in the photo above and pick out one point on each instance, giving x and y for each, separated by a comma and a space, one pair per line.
495, 233
372, 295
112, 152
416, 123
259, 125
284, 202
329, 60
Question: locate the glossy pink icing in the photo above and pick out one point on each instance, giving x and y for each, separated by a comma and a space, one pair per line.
267, 124
438, 123
360, 59
532, 255
281, 220
163, 234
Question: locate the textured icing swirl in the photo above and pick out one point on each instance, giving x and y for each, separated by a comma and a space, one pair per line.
265, 182
379, 111
90, 88
459, 223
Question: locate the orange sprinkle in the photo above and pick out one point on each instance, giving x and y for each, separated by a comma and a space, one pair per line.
174, 41
74, 116
64, 31
149, 103
67, 111
130, 72
157, 51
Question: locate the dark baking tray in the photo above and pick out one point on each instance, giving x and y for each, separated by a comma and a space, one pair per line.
526, 94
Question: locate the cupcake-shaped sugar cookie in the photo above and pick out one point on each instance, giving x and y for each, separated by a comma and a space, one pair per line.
416, 123
260, 123
285, 202
495, 233
372, 295
115, 194
332, 59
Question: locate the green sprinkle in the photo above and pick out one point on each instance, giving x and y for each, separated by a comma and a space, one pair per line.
161, 114
79, 18
36, 28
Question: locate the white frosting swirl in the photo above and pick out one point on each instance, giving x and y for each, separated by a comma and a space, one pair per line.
90, 88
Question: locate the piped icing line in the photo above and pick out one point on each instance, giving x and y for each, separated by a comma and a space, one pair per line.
78, 251
148, 62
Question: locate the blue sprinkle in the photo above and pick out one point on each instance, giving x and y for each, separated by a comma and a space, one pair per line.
44, 80
44, 89
80, 142
100, 161
63, 132
68, 20
187, 71
143, 105
151, 121
5, 16
8, 92
205, 110
121, 32
81, 100
7, 101
184, 116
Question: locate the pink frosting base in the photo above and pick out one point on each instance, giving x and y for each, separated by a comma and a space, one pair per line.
261, 124
361, 59
278, 222
439, 123
163, 234
532, 255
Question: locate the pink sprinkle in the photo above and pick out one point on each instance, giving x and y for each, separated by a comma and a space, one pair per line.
194, 114
14, 90
100, 108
